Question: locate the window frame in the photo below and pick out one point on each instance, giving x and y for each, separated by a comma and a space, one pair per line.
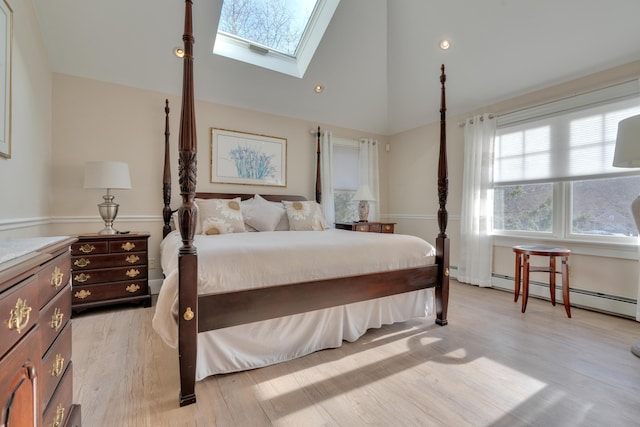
562, 199
237, 48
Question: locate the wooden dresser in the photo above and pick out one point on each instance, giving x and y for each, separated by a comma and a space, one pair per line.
371, 227
110, 269
36, 372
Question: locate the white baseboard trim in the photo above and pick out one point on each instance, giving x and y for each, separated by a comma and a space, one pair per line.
596, 301
155, 285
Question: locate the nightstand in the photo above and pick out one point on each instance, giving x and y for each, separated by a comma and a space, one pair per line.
109, 269
371, 227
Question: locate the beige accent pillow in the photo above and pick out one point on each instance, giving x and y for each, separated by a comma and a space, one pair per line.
221, 216
304, 216
262, 214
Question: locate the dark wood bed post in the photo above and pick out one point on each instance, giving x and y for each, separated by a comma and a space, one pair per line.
188, 256
318, 174
442, 241
166, 176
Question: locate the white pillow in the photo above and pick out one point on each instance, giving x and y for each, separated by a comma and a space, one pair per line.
244, 207
223, 214
305, 216
263, 215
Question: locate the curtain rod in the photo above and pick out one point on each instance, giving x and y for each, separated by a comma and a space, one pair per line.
462, 124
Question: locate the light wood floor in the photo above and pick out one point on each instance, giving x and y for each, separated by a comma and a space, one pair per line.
491, 366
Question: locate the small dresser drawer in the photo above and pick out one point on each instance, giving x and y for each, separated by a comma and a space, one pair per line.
59, 408
387, 228
90, 277
129, 245
89, 248
362, 227
54, 364
19, 312
110, 291
53, 317
108, 260
53, 277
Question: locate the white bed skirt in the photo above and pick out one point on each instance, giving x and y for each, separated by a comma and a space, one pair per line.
259, 344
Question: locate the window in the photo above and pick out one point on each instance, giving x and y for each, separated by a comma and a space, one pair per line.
553, 173
281, 35
345, 166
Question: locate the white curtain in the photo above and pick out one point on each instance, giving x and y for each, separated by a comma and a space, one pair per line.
476, 243
368, 170
326, 178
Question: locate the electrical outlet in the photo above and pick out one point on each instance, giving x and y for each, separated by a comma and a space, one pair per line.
152, 263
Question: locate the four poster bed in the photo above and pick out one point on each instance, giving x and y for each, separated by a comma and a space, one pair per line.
295, 298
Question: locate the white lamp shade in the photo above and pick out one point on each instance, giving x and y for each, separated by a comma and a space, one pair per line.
627, 154
107, 175
363, 193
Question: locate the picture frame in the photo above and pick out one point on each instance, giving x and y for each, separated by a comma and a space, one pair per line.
248, 158
6, 43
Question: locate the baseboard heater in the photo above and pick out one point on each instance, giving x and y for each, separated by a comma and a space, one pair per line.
580, 298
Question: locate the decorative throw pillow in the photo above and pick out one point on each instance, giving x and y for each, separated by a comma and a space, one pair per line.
176, 224
212, 226
223, 214
304, 216
262, 214
283, 225
245, 205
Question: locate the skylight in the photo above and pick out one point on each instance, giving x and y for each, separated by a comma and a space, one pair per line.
281, 35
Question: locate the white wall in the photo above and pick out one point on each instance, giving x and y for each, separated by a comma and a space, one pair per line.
25, 193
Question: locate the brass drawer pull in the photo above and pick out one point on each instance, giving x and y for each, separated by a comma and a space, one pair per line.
128, 246
188, 314
87, 248
56, 319
132, 273
58, 364
132, 288
59, 418
132, 259
56, 277
19, 316
82, 262
82, 294
82, 277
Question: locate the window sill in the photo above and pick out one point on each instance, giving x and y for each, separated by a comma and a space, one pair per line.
579, 247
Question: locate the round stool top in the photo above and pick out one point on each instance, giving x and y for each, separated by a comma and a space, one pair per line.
542, 250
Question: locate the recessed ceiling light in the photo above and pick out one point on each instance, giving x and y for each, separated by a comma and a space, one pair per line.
318, 89
445, 44
179, 52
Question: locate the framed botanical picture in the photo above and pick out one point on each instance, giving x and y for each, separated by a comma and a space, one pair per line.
6, 36
247, 158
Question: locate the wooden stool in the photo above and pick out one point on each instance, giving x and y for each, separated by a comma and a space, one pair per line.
523, 252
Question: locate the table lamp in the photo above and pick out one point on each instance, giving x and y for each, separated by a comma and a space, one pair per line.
627, 155
363, 195
109, 176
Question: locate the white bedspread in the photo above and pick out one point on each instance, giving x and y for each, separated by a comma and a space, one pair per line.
249, 260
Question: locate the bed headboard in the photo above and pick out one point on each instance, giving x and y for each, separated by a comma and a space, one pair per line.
244, 196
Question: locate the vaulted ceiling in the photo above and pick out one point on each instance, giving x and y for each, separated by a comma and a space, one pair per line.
379, 60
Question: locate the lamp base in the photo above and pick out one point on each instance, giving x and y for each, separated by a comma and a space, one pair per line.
108, 211
363, 211
108, 230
